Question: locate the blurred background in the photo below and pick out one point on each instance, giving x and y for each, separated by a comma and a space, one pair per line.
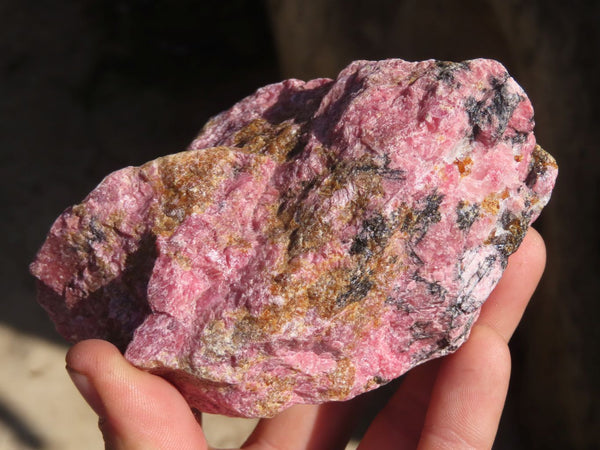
90, 86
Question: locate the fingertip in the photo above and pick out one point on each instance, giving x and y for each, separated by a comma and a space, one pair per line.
89, 355
506, 304
489, 348
531, 255
84, 361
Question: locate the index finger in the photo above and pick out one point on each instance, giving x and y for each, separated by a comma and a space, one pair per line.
505, 306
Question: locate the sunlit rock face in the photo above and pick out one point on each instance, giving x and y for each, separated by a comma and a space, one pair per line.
317, 240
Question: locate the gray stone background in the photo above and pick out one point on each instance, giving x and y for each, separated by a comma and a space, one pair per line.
90, 86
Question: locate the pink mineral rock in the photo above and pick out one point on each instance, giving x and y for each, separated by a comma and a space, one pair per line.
316, 240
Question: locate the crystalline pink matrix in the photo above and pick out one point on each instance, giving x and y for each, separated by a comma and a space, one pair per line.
317, 240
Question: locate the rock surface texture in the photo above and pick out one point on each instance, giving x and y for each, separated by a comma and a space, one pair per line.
316, 240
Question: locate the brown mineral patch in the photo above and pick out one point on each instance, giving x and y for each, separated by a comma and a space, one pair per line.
490, 204
217, 340
277, 393
342, 378
326, 291
186, 182
249, 329
412, 78
517, 227
539, 164
262, 137
544, 157
508, 243
253, 136
269, 321
310, 234
464, 165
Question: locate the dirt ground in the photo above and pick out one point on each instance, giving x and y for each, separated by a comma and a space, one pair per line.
41, 409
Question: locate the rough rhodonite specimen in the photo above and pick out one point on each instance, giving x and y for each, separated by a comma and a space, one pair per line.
317, 240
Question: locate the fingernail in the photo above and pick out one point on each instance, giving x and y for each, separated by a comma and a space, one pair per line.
87, 390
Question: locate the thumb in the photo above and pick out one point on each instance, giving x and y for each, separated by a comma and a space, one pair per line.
137, 410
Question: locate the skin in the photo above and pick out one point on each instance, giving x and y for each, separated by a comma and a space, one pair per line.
450, 403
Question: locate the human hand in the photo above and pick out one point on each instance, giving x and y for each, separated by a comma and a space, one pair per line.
452, 402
